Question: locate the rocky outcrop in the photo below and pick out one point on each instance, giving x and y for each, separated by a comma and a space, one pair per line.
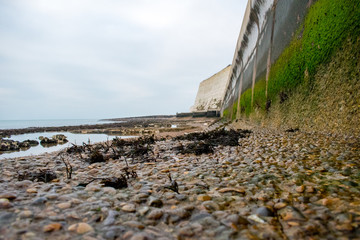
11, 145
54, 140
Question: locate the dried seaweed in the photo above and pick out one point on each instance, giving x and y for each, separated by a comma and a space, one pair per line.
42, 175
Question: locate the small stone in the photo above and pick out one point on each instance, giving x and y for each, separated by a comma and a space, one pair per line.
264, 212
155, 214
141, 236
26, 214
134, 224
109, 190
280, 205
185, 232
256, 218
141, 197
310, 189
40, 201
110, 219
5, 203
52, 227
181, 197
129, 208
142, 211
31, 190
230, 189
290, 213
210, 206
300, 189
155, 202
64, 205
80, 228
203, 198
10, 196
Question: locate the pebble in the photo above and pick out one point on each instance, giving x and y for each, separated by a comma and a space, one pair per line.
31, 190
155, 202
264, 212
52, 227
280, 205
234, 192
134, 224
129, 208
26, 214
290, 213
9, 196
5, 203
40, 201
155, 214
300, 189
110, 219
80, 228
64, 205
203, 198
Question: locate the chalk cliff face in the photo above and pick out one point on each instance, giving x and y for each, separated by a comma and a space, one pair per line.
211, 92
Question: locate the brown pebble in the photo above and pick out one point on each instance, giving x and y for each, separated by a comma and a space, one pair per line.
52, 227
5, 203
81, 228
300, 189
64, 205
280, 205
230, 189
203, 198
155, 214
10, 196
31, 190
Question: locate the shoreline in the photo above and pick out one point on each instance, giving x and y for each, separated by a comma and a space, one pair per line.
124, 124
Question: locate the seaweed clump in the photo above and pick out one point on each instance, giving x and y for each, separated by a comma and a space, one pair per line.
42, 175
204, 142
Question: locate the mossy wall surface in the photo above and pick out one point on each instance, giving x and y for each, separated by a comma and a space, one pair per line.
317, 75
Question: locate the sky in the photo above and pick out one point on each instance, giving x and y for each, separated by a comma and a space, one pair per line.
79, 59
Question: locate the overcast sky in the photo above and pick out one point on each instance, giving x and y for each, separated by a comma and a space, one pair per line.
64, 59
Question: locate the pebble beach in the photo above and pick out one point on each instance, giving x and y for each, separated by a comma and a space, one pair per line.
273, 184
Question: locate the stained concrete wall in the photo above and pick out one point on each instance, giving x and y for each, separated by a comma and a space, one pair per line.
289, 15
211, 92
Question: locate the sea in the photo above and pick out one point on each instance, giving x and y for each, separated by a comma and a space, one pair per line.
72, 138
16, 124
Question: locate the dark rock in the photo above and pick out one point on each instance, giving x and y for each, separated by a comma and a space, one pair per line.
39, 201
264, 212
197, 217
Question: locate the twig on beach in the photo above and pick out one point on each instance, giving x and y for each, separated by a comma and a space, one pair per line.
173, 185
68, 167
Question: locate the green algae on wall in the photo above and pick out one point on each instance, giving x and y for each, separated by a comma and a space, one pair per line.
327, 25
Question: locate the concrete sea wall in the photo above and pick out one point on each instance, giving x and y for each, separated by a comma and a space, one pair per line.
263, 20
211, 92
296, 65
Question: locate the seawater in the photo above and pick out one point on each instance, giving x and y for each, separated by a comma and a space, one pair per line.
16, 124
73, 138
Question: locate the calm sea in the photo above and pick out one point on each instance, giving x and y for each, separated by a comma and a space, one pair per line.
73, 138
16, 124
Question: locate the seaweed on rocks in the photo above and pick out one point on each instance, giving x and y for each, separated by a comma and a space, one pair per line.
42, 175
75, 149
217, 137
95, 157
204, 142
